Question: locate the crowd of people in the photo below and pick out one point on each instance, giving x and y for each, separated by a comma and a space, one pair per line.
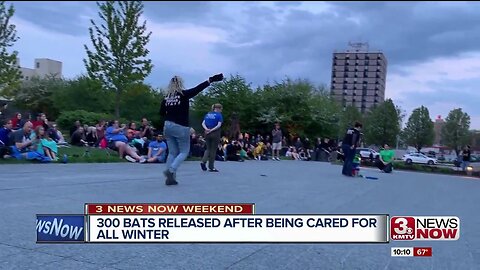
40, 139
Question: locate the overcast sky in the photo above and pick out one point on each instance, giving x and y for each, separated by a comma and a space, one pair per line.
433, 49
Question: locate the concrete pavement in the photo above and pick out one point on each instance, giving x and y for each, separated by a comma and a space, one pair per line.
289, 187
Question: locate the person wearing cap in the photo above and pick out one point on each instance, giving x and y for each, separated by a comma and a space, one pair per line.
157, 150
175, 109
212, 124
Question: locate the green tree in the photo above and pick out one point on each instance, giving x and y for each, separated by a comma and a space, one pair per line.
140, 100
9, 71
236, 96
85, 94
383, 124
287, 103
455, 132
36, 95
419, 130
119, 58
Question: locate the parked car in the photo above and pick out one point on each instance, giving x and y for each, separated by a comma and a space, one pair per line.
367, 153
419, 158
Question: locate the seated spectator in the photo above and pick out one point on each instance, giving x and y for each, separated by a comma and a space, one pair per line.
259, 151
78, 138
249, 149
17, 122
100, 127
117, 141
196, 147
91, 136
57, 135
220, 155
22, 143
157, 150
44, 145
268, 150
292, 153
232, 151
385, 160
136, 140
267, 140
75, 127
5, 133
146, 131
258, 139
53, 132
304, 154
298, 144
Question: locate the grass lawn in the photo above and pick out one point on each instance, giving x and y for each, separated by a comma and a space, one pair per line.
83, 155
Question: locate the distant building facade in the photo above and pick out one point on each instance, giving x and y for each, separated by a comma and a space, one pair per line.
437, 127
42, 68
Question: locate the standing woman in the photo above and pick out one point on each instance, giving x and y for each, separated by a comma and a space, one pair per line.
212, 124
175, 110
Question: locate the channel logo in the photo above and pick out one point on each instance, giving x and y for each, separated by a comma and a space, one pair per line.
424, 228
60, 228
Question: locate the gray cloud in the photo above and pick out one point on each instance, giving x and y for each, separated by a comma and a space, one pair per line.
63, 17
267, 42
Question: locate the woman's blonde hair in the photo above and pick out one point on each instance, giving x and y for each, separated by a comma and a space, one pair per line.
175, 86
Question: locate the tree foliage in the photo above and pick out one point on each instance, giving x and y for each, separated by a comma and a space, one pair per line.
419, 131
455, 132
119, 55
383, 124
9, 71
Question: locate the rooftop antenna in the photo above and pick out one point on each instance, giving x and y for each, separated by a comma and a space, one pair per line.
359, 46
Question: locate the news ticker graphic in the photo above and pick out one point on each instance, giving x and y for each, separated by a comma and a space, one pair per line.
411, 252
425, 228
238, 229
230, 223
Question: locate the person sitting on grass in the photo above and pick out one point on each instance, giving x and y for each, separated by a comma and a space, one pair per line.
78, 138
117, 141
91, 136
157, 150
384, 163
292, 153
44, 145
232, 151
75, 127
259, 151
5, 133
22, 143
220, 155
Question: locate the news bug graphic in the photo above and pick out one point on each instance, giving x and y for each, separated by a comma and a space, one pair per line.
60, 228
428, 228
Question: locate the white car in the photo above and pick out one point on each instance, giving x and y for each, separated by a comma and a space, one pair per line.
419, 158
365, 153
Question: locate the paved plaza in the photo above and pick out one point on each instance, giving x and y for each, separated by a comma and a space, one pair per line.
286, 187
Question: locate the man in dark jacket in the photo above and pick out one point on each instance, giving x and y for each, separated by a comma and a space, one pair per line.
349, 145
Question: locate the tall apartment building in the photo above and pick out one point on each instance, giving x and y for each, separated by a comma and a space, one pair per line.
358, 78
437, 127
43, 67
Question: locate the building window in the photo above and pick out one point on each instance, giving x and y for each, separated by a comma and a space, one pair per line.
38, 64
